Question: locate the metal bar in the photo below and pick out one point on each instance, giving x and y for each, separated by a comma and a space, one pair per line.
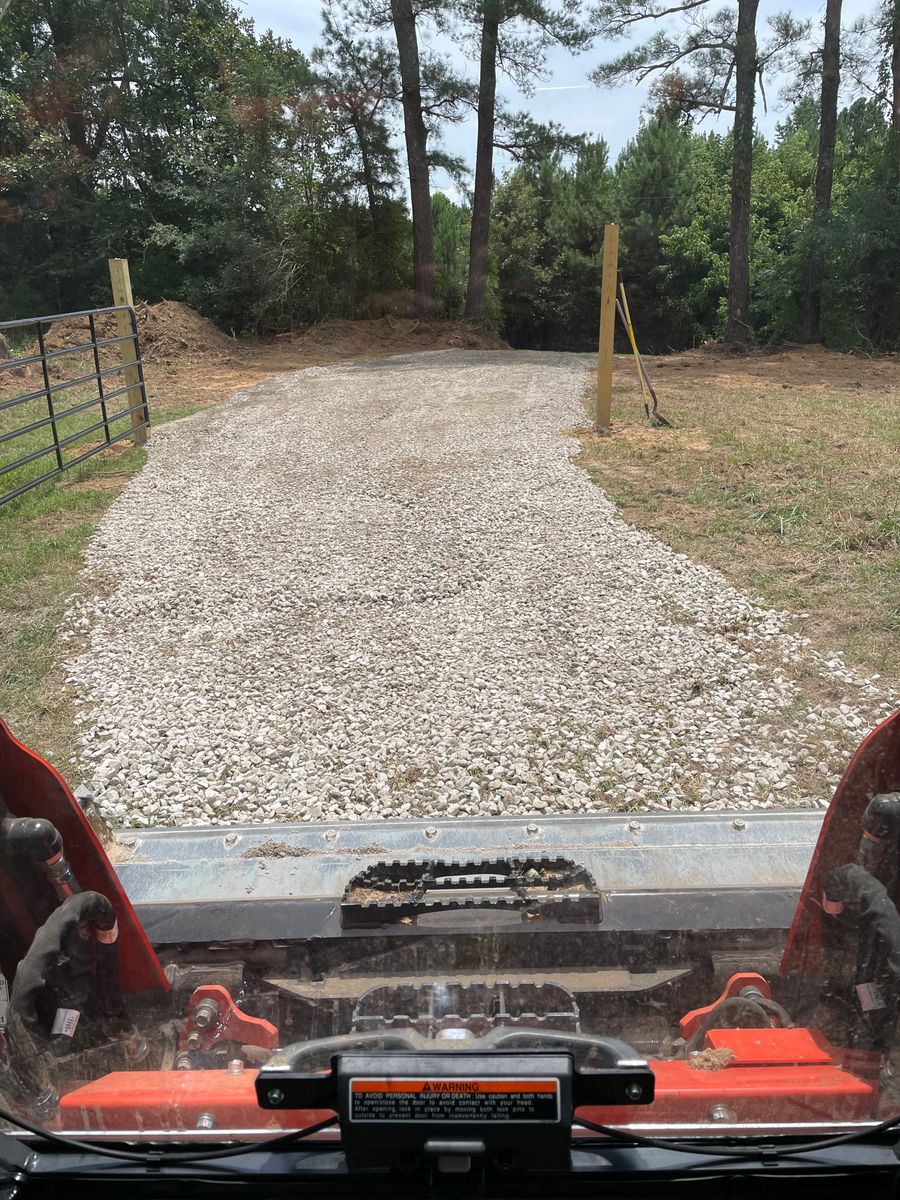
36, 358
126, 412
24, 399
73, 437
29, 457
93, 429
139, 413
23, 462
96, 449
129, 387
76, 408
26, 487
93, 330
46, 374
140, 366
8, 437
82, 312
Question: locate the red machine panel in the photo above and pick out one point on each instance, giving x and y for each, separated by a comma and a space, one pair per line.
31, 787
874, 768
763, 1047
175, 1100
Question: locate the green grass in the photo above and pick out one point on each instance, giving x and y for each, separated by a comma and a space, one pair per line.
43, 536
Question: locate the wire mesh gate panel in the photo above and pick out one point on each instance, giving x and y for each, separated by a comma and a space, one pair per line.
71, 394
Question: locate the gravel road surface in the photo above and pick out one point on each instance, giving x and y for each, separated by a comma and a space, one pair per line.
383, 589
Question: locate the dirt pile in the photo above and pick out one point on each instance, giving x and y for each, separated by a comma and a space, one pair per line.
170, 332
390, 335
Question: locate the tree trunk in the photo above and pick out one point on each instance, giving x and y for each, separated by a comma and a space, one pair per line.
417, 157
738, 328
895, 87
831, 75
484, 164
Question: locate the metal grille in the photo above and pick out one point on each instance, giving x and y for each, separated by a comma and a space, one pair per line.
37, 428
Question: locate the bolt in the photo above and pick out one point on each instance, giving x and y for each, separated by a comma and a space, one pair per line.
194, 1040
531, 828
739, 824
275, 1096
330, 835
235, 1066
205, 1014
634, 1092
206, 1120
230, 839
431, 831
184, 1061
634, 827
721, 1113
128, 840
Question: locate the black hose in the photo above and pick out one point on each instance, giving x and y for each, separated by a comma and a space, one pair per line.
725, 1009
852, 884
58, 960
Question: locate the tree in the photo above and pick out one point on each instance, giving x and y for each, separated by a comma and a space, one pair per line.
359, 80
828, 112
655, 194
404, 21
514, 33
724, 63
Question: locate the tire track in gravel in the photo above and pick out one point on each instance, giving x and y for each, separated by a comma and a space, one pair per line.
383, 589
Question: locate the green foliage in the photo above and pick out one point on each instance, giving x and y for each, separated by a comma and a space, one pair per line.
547, 240
261, 186
229, 173
451, 253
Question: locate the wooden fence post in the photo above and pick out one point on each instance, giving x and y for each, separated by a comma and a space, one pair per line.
121, 290
603, 407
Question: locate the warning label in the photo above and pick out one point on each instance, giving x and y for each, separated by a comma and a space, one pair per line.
454, 1100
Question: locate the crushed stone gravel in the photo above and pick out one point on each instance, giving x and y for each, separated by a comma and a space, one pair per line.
383, 589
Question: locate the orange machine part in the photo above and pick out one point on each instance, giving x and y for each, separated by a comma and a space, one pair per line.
797, 1086
231, 1025
175, 1100
692, 1020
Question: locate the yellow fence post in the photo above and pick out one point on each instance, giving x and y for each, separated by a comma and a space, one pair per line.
603, 407
121, 290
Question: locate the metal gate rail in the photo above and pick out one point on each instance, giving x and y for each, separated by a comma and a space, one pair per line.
133, 387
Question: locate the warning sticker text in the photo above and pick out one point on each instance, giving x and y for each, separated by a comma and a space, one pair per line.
454, 1100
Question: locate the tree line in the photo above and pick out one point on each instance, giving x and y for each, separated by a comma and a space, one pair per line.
269, 187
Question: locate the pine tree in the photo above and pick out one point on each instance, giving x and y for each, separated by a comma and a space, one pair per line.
723, 63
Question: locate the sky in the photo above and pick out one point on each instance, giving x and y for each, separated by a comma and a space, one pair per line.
565, 96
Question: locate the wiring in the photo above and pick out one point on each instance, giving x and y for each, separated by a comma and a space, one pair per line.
622, 1137
160, 1157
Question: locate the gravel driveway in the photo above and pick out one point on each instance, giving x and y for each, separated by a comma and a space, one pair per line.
383, 589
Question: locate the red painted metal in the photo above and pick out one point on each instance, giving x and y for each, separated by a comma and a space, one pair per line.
173, 1100
31, 787
735, 985
230, 1025
765, 1047
685, 1095
792, 1088
874, 768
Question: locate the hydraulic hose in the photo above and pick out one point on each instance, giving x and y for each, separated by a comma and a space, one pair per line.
852, 884
59, 962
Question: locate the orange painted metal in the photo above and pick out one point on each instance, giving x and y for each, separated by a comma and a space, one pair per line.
735, 985
230, 1025
766, 1047
175, 1100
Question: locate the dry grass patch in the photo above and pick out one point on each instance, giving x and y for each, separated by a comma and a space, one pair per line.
783, 472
